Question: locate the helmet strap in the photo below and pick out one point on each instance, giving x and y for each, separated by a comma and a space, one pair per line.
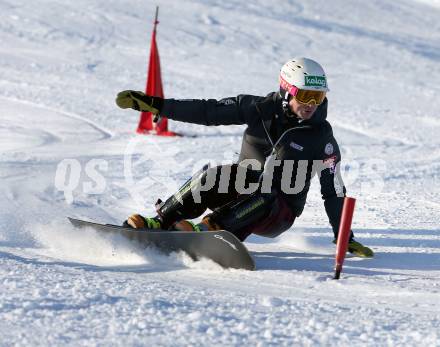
286, 97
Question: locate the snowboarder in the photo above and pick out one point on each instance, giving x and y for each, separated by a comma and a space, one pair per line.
287, 141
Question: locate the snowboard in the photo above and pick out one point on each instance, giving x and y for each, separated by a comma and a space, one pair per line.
221, 246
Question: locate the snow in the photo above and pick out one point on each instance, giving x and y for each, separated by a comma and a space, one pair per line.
67, 150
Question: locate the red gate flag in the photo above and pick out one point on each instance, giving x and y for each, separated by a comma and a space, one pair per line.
344, 234
154, 88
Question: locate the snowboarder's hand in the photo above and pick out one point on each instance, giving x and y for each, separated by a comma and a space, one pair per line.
139, 101
358, 249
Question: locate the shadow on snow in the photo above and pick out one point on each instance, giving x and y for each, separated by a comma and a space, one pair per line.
407, 252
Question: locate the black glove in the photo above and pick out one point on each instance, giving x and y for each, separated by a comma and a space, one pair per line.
139, 101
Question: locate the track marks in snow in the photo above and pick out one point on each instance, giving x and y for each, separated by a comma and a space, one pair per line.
35, 114
36, 135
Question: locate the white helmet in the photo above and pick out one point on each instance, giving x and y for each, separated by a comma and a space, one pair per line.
302, 73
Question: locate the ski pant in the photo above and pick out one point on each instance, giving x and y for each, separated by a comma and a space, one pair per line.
265, 214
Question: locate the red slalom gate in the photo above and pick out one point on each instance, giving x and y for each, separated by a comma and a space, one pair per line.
154, 88
344, 234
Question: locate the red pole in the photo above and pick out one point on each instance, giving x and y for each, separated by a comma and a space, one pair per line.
154, 88
344, 234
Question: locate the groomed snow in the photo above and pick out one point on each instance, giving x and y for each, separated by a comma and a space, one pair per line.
61, 65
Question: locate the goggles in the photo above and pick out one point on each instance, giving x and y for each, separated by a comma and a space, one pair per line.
304, 96
309, 96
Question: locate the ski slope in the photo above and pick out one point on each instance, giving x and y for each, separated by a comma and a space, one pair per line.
67, 150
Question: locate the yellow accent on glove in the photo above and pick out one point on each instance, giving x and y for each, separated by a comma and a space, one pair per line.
138, 101
360, 250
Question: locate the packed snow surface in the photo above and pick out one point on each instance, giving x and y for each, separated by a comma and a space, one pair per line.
67, 150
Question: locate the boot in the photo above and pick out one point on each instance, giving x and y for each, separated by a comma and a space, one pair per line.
182, 205
136, 221
186, 225
205, 225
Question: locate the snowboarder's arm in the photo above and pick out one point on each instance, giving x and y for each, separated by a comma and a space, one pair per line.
332, 186
333, 193
233, 110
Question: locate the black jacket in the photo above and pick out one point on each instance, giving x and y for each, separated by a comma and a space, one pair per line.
309, 141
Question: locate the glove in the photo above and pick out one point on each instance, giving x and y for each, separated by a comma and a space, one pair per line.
139, 101
358, 249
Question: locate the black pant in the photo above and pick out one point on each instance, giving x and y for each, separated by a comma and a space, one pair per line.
241, 213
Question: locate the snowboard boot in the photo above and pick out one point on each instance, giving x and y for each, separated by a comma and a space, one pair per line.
172, 213
181, 205
136, 221
186, 225
358, 249
205, 225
